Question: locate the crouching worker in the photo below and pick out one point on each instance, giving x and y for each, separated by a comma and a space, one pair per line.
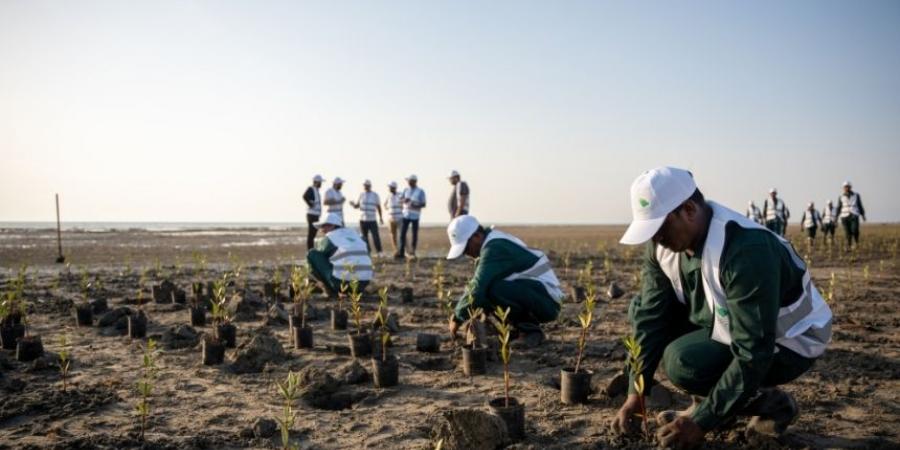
508, 274
341, 256
726, 305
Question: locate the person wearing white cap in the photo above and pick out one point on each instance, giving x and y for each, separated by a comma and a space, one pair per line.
334, 199
775, 213
753, 213
810, 221
850, 208
726, 305
508, 274
369, 205
458, 204
828, 222
413, 202
313, 210
341, 256
394, 205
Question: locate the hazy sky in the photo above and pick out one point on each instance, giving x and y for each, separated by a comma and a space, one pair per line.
222, 111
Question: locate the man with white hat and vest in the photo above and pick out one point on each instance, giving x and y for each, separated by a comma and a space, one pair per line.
828, 222
775, 213
459, 198
850, 208
726, 305
810, 221
340, 256
313, 210
369, 205
413, 202
754, 214
394, 205
508, 274
334, 199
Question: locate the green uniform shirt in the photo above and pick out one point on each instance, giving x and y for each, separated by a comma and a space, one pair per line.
499, 259
325, 246
758, 275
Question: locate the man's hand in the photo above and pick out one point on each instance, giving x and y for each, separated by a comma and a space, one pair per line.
681, 433
626, 420
453, 327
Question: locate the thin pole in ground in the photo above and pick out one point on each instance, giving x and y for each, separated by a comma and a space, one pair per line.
59, 259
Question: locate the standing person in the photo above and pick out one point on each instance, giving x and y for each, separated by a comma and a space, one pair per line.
726, 305
394, 205
334, 199
459, 197
828, 220
754, 214
413, 202
775, 213
811, 220
339, 257
369, 204
313, 210
851, 209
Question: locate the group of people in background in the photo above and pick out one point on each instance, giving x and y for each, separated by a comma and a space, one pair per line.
774, 215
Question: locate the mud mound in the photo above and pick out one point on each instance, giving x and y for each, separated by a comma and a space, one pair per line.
53, 403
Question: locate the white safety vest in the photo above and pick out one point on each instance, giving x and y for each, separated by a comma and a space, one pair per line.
368, 206
828, 215
849, 205
415, 195
394, 205
351, 260
803, 326
754, 214
811, 219
775, 210
333, 195
541, 271
316, 208
456, 194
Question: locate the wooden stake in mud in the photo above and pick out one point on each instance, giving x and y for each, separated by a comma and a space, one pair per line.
59, 259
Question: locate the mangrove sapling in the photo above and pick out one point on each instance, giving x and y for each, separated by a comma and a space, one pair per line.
507, 408
381, 316
360, 345
575, 384
288, 389
503, 333
384, 370
585, 317
64, 361
225, 330
145, 384
635, 366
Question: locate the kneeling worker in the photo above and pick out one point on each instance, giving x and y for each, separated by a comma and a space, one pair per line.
341, 256
508, 275
726, 305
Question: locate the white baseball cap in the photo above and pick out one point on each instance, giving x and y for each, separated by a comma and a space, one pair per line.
332, 219
412, 177
338, 180
751, 203
367, 183
392, 184
453, 173
654, 194
847, 183
828, 203
773, 191
318, 179
459, 231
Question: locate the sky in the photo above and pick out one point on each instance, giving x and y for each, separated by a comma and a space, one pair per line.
222, 111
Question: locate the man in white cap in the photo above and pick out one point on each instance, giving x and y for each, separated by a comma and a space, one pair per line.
334, 199
394, 205
413, 202
810, 222
339, 256
775, 213
851, 209
754, 214
726, 305
508, 274
459, 198
369, 205
313, 210
828, 222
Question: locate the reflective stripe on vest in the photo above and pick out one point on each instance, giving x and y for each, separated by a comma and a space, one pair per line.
316, 208
775, 211
351, 260
754, 214
828, 215
804, 326
368, 206
811, 219
394, 205
541, 271
849, 205
337, 208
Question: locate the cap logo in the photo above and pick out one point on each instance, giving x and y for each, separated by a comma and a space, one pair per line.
644, 203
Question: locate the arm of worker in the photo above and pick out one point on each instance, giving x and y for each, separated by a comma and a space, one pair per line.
380, 217
751, 283
309, 197
329, 199
499, 259
420, 200
653, 314
862, 211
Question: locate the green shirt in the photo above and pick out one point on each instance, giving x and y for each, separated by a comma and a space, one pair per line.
325, 246
499, 259
758, 275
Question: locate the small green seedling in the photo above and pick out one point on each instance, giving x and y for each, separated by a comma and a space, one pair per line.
219, 311
288, 389
356, 304
64, 361
635, 366
381, 315
503, 333
145, 384
585, 317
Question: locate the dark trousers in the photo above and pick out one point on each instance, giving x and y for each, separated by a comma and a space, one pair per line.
776, 226
527, 300
811, 232
851, 228
311, 231
415, 235
367, 227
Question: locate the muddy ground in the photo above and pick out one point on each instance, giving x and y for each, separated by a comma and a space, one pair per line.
850, 399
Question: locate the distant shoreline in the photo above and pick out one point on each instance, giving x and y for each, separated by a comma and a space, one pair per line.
223, 226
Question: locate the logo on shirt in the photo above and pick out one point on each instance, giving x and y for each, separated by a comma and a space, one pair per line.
721, 312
